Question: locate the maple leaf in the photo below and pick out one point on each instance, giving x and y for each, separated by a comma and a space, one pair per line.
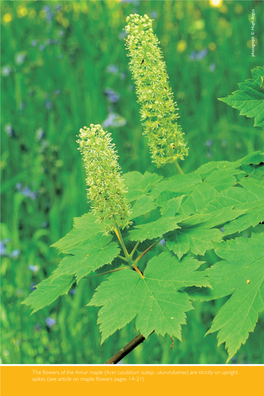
139, 185
197, 239
48, 291
142, 206
85, 227
250, 98
155, 299
88, 256
241, 275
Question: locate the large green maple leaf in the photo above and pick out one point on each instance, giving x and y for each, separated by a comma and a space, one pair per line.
155, 299
241, 275
250, 98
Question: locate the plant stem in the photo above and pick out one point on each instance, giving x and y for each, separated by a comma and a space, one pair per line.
178, 167
146, 251
120, 238
138, 271
126, 349
134, 249
122, 258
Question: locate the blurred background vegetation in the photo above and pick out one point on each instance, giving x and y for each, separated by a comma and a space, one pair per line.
64, 65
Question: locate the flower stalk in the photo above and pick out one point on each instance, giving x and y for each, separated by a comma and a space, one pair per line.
158, 110
106, 188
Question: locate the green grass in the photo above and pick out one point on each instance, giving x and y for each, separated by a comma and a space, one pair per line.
60, 88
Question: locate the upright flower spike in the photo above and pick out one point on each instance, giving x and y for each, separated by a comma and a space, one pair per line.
106, 188
158, 110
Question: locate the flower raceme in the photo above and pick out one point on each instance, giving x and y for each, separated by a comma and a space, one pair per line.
158, 110
106, 188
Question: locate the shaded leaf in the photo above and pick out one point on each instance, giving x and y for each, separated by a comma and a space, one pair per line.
196, 239
153, 229
142, 206
206, 169
199, 199
254, 186
182, 184
87, 257
224, 178
252, 218
253, 158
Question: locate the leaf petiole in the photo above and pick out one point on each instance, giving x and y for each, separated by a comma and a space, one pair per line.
138, 271
178, 167
146, 251
134, 249
122, 258
120, 238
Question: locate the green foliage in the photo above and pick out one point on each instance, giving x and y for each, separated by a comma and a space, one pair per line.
241, 275
198, 212
88, 256
155, 299
250, 98
85, 227
48, 291
80, 41
196, 239
139, 184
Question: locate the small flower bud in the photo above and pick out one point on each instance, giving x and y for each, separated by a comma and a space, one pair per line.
106, 188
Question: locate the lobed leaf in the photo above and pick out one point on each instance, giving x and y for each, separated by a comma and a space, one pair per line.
171, 207
155, 299
139, 185
142, 206
241, 275
48, 291
153, 229
85, 227
196, 239
182, 184
250, 98
87, 257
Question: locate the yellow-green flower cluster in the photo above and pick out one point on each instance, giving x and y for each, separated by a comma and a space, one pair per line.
106, 188
158, 109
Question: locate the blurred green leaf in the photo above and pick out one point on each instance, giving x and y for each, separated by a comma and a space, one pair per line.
139, 185
197, 239
142, 206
